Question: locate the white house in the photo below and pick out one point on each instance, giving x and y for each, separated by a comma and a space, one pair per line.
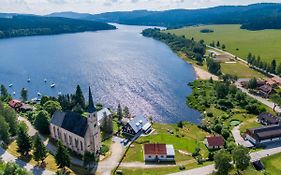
159, 152
76, 132
136, 125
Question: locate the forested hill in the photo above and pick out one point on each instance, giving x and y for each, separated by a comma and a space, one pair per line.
26, 25
252, 17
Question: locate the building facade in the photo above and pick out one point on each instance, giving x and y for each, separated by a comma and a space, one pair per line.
263, 135
78, 133
159, 152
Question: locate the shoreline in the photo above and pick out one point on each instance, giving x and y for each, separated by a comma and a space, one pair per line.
201, 74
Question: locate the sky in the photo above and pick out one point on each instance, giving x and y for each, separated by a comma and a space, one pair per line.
98, 6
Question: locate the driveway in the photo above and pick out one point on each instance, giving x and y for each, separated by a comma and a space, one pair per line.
7, 157
238, 139
106, 166
260, 99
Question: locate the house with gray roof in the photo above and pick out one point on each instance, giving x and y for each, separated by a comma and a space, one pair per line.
78, 133
136, 125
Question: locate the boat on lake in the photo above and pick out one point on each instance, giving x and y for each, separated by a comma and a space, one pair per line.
28, 80
53, 85
39, 94
10, 85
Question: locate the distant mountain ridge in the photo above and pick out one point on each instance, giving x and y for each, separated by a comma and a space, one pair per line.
252, 17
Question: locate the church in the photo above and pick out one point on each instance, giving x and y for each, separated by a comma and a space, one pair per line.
78, 133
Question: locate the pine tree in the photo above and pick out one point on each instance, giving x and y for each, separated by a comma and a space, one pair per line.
24, 142
223, 47
24, 94
4, 93
40, 151
62, 157
126, 111
218, 44
4, 130
79, 97
273, 66
119, 113
108, 125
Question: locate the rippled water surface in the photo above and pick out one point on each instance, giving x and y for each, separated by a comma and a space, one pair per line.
121, 66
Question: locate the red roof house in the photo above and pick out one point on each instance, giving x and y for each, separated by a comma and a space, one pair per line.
15, 104
158, 152
214, 142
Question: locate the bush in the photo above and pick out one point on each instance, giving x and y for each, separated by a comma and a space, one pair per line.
196, 152
181, 167
210, 114
104, 149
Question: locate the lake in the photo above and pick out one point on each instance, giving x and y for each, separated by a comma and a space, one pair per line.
121, 66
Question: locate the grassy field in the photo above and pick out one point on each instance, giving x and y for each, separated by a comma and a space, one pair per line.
159, 171
240, 70
185, 139
265, 43
50, 160
272, 164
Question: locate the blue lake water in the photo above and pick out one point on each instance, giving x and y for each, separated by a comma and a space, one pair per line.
121, 66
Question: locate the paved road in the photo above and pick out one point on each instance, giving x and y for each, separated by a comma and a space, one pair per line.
260, 99
106, 166
7, 157
211, 168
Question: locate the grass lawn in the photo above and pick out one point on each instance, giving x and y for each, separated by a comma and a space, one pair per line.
185, 139
272, 164
50, 160
240, 70
265, 43
159, 171
247, 124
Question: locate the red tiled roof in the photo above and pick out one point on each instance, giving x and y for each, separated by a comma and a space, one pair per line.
155, 149
15, 103
215, 141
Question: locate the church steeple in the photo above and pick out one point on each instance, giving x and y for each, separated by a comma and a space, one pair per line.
91, 107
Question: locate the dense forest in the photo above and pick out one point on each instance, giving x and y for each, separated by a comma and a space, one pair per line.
251, 17
194, 50
22, 25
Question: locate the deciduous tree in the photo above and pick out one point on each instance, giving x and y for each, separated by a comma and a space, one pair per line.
222, 162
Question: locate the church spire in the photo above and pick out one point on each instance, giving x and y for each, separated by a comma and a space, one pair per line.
91, 107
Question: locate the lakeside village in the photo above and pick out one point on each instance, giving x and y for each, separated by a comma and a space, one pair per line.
79, 138
239, 132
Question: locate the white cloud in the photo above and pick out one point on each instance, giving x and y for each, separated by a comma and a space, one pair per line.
97, 6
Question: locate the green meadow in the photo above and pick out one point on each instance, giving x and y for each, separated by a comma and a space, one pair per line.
266, 43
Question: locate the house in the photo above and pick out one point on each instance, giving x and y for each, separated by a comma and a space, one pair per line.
102, 114
268, 119
277, 80
136, 125
159, 152
265, 90
263, 135
19, 106
76, 132
214, 142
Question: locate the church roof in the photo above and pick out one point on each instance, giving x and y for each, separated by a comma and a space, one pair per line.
91, 107
71, 121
